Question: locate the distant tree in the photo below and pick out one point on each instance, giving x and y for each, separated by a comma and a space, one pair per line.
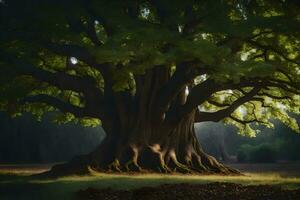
25, 140
150, 69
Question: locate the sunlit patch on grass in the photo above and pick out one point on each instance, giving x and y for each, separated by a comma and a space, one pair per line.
135, 181
29, 188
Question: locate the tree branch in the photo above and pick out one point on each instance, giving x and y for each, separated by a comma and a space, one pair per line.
243, 121
57, 103
275, 97
218, 104
72, 50
221, 114
95, 103
270, 48
91, 32
185, 73
59, 79
83, 55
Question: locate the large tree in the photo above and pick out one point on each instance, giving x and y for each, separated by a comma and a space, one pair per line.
147, 70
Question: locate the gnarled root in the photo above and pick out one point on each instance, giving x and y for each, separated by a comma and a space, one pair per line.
142, 160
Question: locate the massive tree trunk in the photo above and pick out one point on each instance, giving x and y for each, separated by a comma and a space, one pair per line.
137, 141
147, 148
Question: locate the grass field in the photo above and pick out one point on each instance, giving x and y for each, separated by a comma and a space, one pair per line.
15, 182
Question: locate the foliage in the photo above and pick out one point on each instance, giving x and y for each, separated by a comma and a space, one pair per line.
24, 140
234, 42
263, 153
280, 144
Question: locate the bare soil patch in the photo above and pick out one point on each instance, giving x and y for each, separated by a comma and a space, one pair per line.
212, 191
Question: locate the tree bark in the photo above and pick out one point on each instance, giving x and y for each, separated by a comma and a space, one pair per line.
146, 148
139, 140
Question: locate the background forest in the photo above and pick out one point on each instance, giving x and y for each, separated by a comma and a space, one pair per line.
25, 140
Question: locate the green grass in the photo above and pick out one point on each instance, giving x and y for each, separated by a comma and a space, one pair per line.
22, 186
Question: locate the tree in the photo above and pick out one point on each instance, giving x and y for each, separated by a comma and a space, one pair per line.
150, 69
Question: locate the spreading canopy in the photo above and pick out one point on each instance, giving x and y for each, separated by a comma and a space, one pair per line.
238, 59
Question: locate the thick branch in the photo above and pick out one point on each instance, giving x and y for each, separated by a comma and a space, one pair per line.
221, 114
59, 79
81, 54
243, 121
72, 51
198, 95
275, 97
65, 107
202, 92
57, 103
218, 104
95, 103
94, 100
270, 48
91, 32
96, 15
185, 73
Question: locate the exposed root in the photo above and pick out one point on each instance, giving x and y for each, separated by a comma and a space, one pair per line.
131, 165
179, 167
198, 163
77, 166
167, 158
115, 166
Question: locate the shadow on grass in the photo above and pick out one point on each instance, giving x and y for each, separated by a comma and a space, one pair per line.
23, 187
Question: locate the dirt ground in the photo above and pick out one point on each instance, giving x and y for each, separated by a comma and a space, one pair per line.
212, 191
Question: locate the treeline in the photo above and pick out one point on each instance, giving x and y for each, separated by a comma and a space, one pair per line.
270, 145
25, 140
277, 145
